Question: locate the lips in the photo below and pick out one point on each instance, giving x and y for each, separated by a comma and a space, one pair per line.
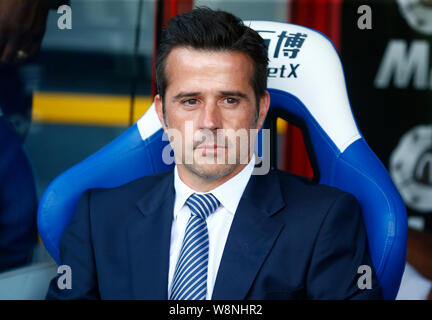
210, 147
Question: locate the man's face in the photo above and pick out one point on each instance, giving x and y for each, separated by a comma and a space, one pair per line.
210, 102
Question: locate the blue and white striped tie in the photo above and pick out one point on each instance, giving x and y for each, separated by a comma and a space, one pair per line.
190, 276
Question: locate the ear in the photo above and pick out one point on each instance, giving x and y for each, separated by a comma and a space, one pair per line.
159, 110
264, 107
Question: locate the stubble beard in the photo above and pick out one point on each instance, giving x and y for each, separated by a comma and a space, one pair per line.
215, 175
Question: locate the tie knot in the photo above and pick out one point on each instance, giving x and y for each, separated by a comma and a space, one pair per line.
202, 205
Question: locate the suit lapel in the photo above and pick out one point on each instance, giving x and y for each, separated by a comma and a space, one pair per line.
251, 237
149, 241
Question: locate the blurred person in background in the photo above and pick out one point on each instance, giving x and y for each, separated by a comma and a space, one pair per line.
417, 279
22, 27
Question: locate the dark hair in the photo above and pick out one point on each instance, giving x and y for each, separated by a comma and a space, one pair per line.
207, 29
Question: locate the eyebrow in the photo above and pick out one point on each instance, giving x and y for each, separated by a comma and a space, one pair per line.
234, 93
185, 94
222, 93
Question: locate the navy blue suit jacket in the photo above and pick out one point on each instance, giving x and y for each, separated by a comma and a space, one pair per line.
288, 240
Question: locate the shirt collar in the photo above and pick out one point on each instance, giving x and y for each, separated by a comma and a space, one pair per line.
229, 193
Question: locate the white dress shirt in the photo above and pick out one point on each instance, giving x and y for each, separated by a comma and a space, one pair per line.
218, 223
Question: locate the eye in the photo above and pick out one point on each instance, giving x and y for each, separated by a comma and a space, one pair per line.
190, 102
230, 100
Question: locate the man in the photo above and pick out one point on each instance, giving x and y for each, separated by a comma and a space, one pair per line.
210, 229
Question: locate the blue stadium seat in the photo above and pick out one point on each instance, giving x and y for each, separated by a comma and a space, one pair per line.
306, 85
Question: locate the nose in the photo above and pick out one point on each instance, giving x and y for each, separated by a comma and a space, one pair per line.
210, 117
